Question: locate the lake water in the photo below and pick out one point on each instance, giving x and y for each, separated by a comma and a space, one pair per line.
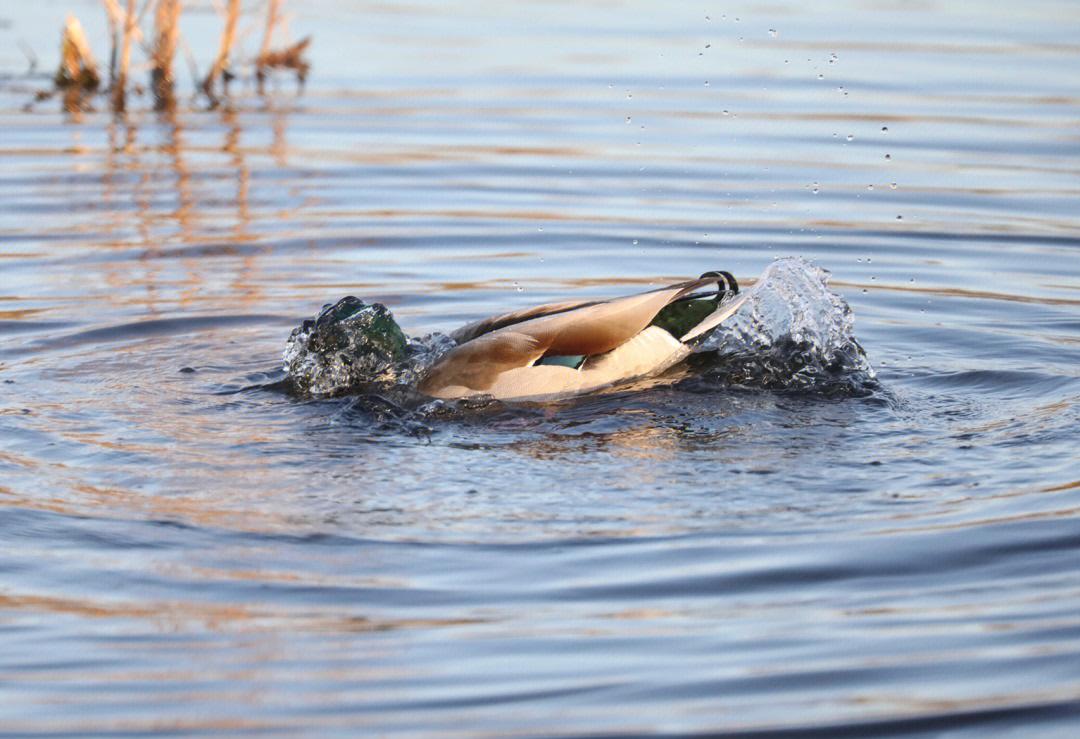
185, 551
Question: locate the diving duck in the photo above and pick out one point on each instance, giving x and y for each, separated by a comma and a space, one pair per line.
557, 350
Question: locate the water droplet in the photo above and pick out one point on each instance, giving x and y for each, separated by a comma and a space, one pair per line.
635, 241
884, 129
850, 137
540, 229
887, 157
892, 185
724, 113
864, 291
706, 83
869, 187
708, 46
772, 32
899, 218
627, 119
821, 76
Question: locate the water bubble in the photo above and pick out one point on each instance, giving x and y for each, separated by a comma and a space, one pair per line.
869, 187
772, 32
892, 185
884, 129
821, 76
724, 113
635, 241
850, 137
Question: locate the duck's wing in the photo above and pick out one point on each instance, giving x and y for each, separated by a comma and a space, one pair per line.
470, 331
588, 329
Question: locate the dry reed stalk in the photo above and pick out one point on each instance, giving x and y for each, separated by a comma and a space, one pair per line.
291, 57
167, 26
273, 13
115, 15
125, 57
77, 67
228, 37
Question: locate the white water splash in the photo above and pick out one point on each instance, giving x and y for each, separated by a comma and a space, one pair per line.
792, 332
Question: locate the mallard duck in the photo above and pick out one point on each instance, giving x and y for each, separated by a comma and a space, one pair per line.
557, 350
